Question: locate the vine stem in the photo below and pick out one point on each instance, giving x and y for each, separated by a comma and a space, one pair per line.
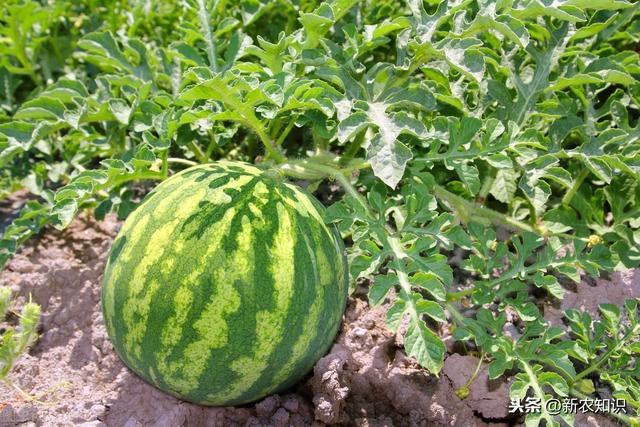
608, 354
535, 385
566, 200
153, 175
355, 146
486, 186
463, 392
354, 193
399, 254
212, 145
466, 209
181, 161
304, 169
24, 394
463, 206
164, 163
202, 158
455, 296
285, 133
272, 150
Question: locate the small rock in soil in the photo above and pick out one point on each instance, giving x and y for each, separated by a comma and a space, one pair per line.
291, 404
97, 411
281, 418
267, 406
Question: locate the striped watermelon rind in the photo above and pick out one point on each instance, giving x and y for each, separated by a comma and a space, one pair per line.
224, 285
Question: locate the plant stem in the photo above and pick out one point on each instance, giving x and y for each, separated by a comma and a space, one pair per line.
212, 145
133, 177
468, 154
300, 172
486, 186
463, 391
23, 393
202, 158
352, 150
309, 169
164, 170
392, 241
285, 133
535, 385
477, 210
455, 296
608, 354
181, 161
318, 142
272, 151
354, 193
467, 209
403, 279
455, 313
566, 200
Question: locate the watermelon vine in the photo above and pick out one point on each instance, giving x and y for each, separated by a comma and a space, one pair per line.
506, 133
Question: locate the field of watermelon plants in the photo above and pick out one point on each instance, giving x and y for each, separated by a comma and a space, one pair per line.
190, 189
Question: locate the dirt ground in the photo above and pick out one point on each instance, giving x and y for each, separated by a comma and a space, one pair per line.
74, 377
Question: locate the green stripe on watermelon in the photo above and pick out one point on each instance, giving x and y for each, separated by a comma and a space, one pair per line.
224, 285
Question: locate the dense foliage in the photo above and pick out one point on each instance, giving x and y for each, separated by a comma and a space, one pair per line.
504, 131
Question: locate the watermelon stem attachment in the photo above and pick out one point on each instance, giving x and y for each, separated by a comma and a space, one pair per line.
320, 167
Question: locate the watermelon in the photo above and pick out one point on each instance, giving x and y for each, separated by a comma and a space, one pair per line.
224, 285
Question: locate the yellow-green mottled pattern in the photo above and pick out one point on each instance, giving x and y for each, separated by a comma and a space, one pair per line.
224, 285
270, 324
